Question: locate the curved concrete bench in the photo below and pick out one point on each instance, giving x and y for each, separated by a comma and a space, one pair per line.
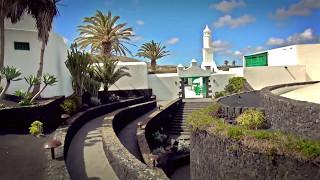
125, 165
289, 115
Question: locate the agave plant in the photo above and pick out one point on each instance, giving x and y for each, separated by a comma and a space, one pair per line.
107, 72
32, 80
48, 80
11, 74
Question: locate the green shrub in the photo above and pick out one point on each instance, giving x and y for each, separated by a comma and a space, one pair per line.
263, 134
25, 102
203, 118
235, 85
308, 147
20, 93
25, 97
220, 94
70, 106
235, 132
161, 138
36, 128
251, 119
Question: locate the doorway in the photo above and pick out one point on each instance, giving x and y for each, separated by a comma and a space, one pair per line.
195, 87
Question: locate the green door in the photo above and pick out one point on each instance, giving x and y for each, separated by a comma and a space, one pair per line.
256, 60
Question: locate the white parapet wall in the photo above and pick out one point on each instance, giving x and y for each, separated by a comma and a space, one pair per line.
138, 79
164, 86
309, 55
260, 77
219, 81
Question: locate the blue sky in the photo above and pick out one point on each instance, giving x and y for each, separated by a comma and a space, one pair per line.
239, 26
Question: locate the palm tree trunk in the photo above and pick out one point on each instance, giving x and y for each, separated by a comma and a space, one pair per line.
153, 64
1, 39
106, 49
5, 90
40, 70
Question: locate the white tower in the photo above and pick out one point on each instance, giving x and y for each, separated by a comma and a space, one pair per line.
207, 51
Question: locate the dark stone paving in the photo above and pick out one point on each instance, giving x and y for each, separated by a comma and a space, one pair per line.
22, 157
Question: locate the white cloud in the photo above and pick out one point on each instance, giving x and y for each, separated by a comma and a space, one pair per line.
220, 46
227, 6
302, 8
65, 40
307, 36
172, 41
140, 22
275, 41
228, 20
136, 38
304, 37
237, 53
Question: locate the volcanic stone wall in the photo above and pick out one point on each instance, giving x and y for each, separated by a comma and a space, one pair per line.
289, 115
215, 157
124, 164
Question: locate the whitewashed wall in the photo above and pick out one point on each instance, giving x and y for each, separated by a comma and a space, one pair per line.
259, 77
164, 86
283, 56
138, 79
219, 81
238, 71
28, 61
309, 55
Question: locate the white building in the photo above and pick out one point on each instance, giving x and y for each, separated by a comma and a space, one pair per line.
22, 50
301, 54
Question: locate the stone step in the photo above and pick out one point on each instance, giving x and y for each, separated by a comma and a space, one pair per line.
181, 126
178, 133
179, 121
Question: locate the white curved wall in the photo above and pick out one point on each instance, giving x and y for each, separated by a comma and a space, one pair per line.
138, 79
28, 61
164, 86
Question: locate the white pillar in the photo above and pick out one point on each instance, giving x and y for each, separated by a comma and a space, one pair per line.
207, 51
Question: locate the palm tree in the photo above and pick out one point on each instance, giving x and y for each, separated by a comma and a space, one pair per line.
43, 11
153, 51
107, 72
103, 34
226, 62
234, 63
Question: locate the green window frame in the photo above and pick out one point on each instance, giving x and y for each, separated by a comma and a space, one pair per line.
25, 46
256, 60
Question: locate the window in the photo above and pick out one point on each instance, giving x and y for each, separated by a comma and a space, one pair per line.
22, 46
256, 60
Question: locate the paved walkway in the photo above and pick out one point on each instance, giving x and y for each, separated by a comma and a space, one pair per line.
86, 158
128, 135
181, 173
